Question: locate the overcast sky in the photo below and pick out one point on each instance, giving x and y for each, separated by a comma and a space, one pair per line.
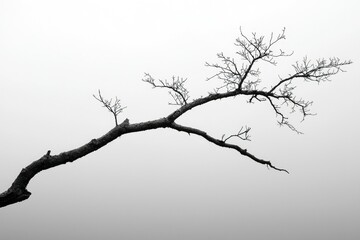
164, 184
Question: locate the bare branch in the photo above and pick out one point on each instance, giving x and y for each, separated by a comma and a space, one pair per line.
252, 50
318, 71
222, 143
113, 107
243, 134
177, 91
237, 79
246, 79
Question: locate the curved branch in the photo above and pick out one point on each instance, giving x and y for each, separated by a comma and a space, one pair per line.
200, 101
222, 143
252, 50
18, 192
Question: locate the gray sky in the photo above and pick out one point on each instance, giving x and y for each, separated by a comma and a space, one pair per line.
163, 184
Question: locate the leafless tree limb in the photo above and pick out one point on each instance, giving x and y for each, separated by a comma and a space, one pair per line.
177, 91
113, 107
251, 50
242, 134
237, 79
246, 78
222, 143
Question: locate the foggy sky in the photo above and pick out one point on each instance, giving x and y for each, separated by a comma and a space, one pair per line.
163, 184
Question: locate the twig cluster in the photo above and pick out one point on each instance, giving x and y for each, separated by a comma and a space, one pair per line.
113, 107
244, 78
242, 134
251, 50
176, 87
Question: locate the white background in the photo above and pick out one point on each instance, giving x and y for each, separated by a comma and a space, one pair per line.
163, 184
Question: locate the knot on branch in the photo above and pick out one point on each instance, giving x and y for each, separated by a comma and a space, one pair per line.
47, 155
94, 142
126, 122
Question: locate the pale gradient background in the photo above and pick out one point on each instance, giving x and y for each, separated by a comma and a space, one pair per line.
163, 184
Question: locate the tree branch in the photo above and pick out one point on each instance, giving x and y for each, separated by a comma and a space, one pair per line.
237, 79
18, 192
177, 91
242, 134
222, 143
319, 71
115, 108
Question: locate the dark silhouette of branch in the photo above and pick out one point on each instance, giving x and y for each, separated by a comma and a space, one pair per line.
237, 79
222, 143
